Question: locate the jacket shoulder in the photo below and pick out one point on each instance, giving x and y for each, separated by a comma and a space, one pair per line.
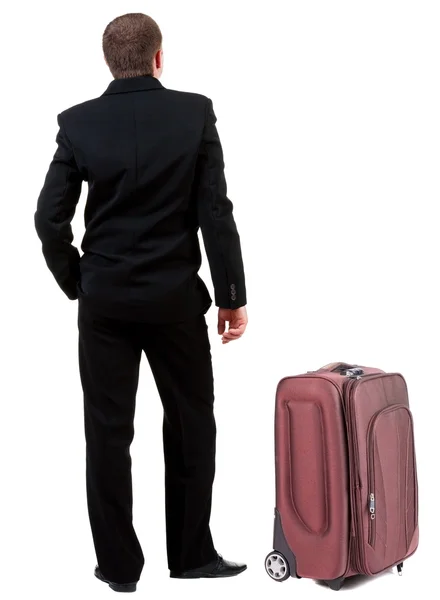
77, 109
188, 96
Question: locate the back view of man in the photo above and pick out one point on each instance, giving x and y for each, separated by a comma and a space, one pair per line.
153, 162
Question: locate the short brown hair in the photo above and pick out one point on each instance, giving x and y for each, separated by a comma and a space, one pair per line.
130, 43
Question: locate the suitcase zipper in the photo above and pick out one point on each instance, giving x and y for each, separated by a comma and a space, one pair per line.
357, 493
372, 524
371, 484
354, 475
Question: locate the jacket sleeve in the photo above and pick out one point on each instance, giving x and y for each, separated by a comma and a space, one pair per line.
56, 207
216, 220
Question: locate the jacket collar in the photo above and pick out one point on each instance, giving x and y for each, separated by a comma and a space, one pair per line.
133, 84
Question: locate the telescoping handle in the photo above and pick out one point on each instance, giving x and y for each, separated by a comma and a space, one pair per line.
342, 368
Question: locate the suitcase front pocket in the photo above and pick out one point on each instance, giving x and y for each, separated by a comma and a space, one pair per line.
392, 487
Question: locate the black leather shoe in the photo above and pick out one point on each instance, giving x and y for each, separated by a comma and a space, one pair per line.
217, 568
117, 587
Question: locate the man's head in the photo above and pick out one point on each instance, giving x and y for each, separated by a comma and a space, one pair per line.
132, 46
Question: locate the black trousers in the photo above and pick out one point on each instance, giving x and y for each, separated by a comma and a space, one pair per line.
179, 355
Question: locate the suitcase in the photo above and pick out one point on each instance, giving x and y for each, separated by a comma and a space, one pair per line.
346, 478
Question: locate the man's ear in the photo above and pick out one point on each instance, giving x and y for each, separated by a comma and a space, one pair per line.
158, 59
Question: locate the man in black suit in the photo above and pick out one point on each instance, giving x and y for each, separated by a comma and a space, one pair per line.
153, 162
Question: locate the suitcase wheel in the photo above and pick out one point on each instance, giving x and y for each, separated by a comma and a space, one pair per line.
277, 566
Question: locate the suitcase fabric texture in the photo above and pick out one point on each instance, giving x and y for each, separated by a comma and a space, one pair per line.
346, 478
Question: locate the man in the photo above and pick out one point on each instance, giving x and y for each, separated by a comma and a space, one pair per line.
153, 163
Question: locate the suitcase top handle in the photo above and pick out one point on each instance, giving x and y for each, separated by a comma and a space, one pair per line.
343, 368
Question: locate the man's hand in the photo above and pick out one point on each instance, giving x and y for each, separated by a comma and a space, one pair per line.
237, 319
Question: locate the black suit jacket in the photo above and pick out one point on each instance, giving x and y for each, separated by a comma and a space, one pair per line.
153, 163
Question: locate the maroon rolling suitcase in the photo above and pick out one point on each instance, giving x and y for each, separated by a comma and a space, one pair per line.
346, 479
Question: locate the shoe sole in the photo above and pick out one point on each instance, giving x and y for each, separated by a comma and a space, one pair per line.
118, 587
200, 575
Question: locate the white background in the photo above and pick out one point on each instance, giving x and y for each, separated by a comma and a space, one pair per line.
329, 117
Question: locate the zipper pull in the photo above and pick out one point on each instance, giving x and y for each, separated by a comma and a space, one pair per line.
372, 507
